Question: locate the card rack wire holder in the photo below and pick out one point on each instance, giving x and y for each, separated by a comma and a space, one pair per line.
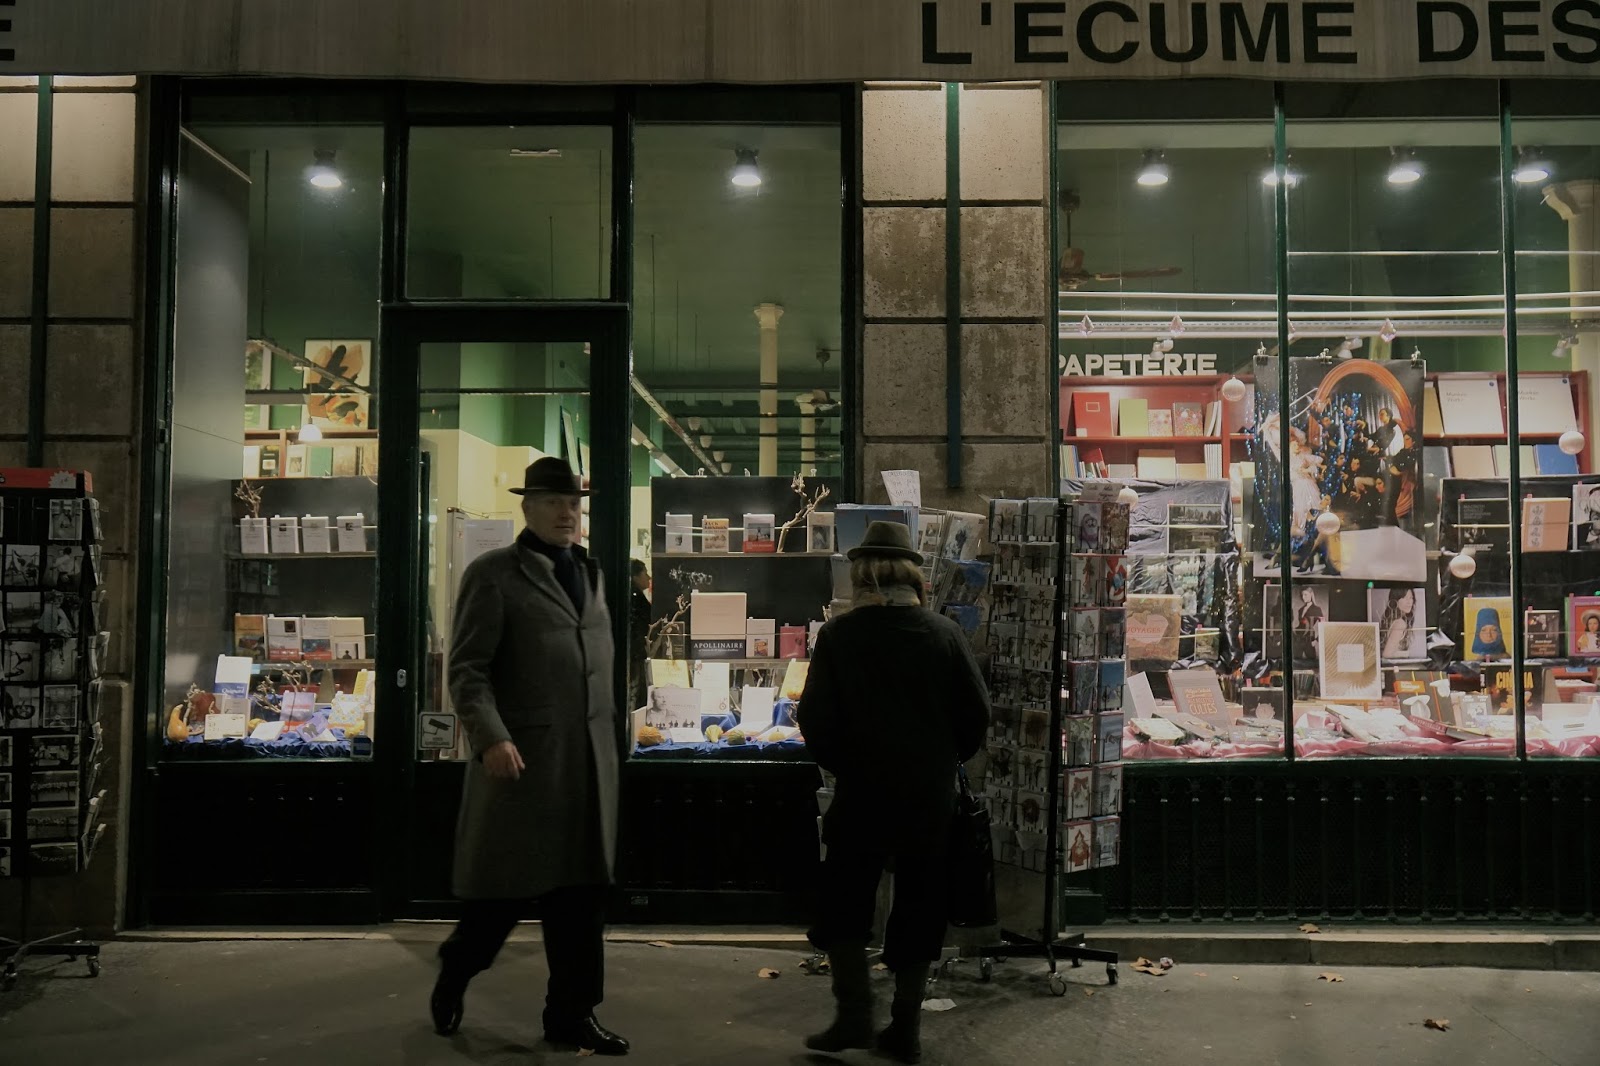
52, 652
1053, 768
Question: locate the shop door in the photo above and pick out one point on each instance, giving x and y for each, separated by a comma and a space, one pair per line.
492, 388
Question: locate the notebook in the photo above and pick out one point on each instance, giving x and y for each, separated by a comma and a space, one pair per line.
1091, 414
1133, 418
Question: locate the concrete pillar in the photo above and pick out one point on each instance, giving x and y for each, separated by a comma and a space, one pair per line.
92, 381
1006, 317
807, 403
1578, 204
768, 315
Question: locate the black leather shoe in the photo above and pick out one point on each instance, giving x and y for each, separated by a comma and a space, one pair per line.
587, 1034
445, 1003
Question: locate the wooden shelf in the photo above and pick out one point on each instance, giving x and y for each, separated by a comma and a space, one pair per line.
276, 556
1492, 438
1102, 441
322, 664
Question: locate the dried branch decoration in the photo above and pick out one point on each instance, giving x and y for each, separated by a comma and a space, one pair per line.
809, 504
251, 497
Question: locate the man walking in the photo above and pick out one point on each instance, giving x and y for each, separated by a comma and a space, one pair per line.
531, 677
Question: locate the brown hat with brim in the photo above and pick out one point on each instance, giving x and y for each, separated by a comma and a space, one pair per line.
551, 475
886, 540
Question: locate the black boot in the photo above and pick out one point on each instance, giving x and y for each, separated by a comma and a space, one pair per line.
902, 1040
446, 1001
852, 994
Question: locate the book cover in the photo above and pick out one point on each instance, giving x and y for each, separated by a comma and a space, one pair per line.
350, 638
252, 460
1160, 421
680, 534
761, 638
1544, 403
1107, 790
794, 679
819, 532
316, 639
792, 642
713, 534
1542, 633
1188, 420
1348, 667
352, 532
717, 625
1079, 797
1432, 420
250, 636
314, 535
1472, 460
1483, 524
1091, 414
1199, 693
1484, 621
283, 638
1583, 627
252, 536
1133, 418
1586, 517
1158, 466
1154, 625
1545, 521
759, 534
319, 461
285, 535
368, 459
1550, 461
1192, 472
271, 460
1470, 406
1400, 613
1077, 847
345, 460
295, 465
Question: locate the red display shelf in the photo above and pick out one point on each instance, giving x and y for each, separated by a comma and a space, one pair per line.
1102, 441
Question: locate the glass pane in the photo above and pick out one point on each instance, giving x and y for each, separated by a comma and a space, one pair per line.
509, 212
1396, 412
1166, 292
1556, 179
737, 339
487, 411
273, 561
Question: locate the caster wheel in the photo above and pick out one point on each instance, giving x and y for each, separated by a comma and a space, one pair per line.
986, 970
94, 966
1111, 974
1058, 985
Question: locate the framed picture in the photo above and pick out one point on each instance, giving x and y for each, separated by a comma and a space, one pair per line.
336, 392
1583, 627
1401, 617
1348, 666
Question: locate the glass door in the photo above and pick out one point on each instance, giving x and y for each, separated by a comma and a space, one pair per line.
497, 388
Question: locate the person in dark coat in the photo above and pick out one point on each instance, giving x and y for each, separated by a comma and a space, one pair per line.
638, 636
531, 677
893, 701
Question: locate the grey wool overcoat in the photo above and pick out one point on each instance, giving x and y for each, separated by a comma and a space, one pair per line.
525, 667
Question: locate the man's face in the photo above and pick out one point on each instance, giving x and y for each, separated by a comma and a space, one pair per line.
554, 518
641, 581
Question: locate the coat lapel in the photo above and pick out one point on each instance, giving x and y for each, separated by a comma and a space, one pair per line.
542, 572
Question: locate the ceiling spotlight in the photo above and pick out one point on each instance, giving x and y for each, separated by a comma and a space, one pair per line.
1403, 167
705, 440
1531, 168
1291, 177
1154, 172
322, 174
695, 423
746, 174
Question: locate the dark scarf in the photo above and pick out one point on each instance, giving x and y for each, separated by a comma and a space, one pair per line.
569, 571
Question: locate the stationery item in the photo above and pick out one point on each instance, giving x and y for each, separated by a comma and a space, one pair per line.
295, 466
1472, 460
759, 534
349, 639
1198, 693
1586, 517
1158, 729
1154, 625
792, 642
794, 679
1432, 420
1107, 789
316, 639
319, 461
1486, 621
712, 679
1188, 420
669, 673
1545, 521
680, 534
285, 535
1544, 403
252, 536
1077, 846
675, 708
267, 732
1160, 421
1080, 740
761, 638
252, 461
1542, 633
1550, 461
1348, 666
1158, 466
1470, 406
314, 535
1108, 737
819, 532
283, 638
1107, 842
250, 636
1113, 678
904, 488
1078, 798
713, 534
352, 532
756, 709
1583, 627
1133, 418
224, 726
1091, 414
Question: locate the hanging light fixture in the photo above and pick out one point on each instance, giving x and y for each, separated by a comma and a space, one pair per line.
1153, 171
322, 174
310, 434
1531, 167
1403, 167
1291, 177
746, 174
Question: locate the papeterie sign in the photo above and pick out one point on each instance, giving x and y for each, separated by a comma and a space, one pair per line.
621, 41
1151, 365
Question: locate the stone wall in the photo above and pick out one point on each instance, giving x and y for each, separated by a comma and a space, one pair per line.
92, 373
1007, 314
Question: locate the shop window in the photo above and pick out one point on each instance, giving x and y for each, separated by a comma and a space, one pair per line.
737, 350
274, 450
519, 212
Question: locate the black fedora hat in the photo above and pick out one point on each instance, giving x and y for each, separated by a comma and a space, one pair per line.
551, 475
886, 540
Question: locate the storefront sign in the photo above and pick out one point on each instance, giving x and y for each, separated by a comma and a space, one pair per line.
1152, 365
777, 41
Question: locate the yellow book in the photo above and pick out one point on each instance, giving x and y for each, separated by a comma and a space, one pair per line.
1432, 419
1133, 418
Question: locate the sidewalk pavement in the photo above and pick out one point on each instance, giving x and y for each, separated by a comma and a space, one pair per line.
363, 1000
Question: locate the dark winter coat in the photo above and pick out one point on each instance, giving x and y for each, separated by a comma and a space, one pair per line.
525, 667
893, 701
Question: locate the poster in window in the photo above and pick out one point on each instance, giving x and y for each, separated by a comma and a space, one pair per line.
1348, 667
1401, 615
336, 394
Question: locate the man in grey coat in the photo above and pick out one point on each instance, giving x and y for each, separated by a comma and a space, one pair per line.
531, 677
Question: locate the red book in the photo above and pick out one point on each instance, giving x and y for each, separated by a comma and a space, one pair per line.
792, 642
1092, 414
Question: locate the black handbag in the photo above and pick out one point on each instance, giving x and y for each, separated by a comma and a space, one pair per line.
970, 860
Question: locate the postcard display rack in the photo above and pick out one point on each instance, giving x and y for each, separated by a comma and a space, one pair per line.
51, 655
1053, 771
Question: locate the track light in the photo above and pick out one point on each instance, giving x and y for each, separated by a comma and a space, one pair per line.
1531, 168
1403, 167
746, 174
1153, 171
322, 174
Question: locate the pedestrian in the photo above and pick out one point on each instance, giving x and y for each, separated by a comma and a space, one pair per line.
638, 636
893, 701
531, 677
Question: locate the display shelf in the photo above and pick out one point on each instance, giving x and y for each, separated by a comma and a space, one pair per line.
1101, 442
278, 556
742, 555
746, 662
1487, 438
316, 664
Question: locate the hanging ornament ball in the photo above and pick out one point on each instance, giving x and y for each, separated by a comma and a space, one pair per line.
1572, 441
1129, 497
1233, 390
1327, 523
1463, 566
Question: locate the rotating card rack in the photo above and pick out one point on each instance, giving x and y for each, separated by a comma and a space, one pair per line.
52, 652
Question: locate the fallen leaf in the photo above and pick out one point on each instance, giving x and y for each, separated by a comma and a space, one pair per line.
1146, 966
881, 968
938, 1004
1527, 990
1310, 927
1441, 1024
1331, 978
1308, 1004
768, 973
1235, 978
658, 944
585, 1052
1199, 974
1088, 991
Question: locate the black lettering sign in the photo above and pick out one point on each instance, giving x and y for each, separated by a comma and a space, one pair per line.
1428, 50
1500, 31
1564, 18
1161, 43
930, 38
1026, 31
1086, 43
1236, 28
1314, 31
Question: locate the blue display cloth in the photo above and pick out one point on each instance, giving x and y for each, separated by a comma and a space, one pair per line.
792, 749
292, 746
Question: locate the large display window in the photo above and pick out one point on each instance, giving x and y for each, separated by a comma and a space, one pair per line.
1361, 484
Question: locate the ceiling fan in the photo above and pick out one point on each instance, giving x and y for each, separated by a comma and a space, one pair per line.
821, 400
1073, 277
